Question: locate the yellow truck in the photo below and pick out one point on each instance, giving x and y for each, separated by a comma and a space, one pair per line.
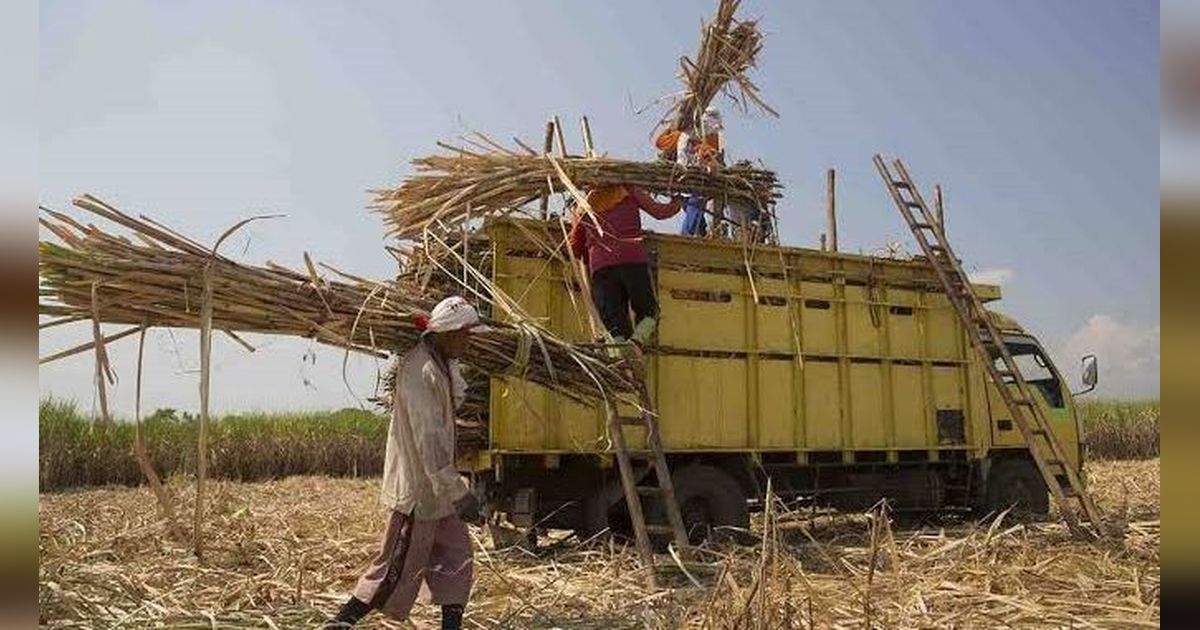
845, 378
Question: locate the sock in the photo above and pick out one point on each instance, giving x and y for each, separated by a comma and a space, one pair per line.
452, 615
352, 611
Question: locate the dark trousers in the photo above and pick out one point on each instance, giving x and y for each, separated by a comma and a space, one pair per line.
616, 289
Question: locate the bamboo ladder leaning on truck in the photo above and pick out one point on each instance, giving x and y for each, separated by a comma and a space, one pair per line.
1044, 446
664, 491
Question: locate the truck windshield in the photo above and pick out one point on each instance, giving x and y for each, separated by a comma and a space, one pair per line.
1035, 367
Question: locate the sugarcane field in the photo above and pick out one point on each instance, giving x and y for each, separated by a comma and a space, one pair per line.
719, 314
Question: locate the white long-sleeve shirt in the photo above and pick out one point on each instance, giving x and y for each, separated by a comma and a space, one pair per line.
419, 475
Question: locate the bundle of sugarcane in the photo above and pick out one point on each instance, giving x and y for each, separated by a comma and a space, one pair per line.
450, 189
728, 50
166, 279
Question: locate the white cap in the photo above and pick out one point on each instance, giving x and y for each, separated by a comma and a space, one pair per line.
455, 313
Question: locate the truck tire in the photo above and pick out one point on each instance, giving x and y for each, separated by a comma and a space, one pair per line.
709, 499
593, 520
1016, 483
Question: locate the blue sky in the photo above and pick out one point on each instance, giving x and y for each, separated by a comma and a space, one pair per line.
1040, 119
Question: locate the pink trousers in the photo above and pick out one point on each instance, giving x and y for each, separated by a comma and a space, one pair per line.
417, 553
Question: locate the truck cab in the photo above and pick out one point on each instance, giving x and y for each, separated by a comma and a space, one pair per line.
1017, 482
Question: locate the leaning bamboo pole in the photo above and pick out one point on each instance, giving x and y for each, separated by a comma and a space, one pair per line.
206, 318
165, 505
103, 372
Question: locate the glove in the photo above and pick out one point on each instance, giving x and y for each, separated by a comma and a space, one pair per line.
468, 509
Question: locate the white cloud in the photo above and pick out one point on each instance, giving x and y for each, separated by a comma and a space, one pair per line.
998, 276
1128, 355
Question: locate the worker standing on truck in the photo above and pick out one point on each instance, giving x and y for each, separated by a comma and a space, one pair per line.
425, 541
609, 240
703, 149
747, 219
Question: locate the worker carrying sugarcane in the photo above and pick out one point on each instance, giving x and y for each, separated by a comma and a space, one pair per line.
705, 149
609, 240
425, 542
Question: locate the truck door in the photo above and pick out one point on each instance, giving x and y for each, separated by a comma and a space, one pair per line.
1047, 388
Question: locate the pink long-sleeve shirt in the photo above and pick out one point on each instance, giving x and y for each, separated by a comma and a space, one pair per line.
621, 242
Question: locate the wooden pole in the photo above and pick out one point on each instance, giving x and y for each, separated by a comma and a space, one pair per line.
143, 459
629, 485
831, 209
548, 141
547, 146
466, 243
937, 204
588, 150
101, 358
558, 133
206, 316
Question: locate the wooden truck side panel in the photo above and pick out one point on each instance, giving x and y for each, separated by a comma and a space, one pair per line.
884, 366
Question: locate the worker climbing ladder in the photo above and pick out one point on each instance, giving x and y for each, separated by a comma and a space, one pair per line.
1061, 478
656, 466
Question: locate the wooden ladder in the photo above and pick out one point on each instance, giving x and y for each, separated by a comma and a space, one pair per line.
1047, 451
664, 491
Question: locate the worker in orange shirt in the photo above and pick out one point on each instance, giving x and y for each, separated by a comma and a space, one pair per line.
703, 150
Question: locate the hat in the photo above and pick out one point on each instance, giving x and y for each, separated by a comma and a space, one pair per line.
455, 313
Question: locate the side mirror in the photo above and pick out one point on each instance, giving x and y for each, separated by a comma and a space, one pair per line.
1090, 374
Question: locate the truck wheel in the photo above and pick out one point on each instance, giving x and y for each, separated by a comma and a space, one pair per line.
709, 500
1017, 483
594, 521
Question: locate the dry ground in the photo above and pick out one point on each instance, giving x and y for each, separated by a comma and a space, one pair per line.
284, 554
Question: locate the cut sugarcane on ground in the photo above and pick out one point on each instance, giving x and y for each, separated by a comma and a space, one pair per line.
106, 560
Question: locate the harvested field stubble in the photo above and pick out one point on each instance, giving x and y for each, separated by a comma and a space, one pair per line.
285, 554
